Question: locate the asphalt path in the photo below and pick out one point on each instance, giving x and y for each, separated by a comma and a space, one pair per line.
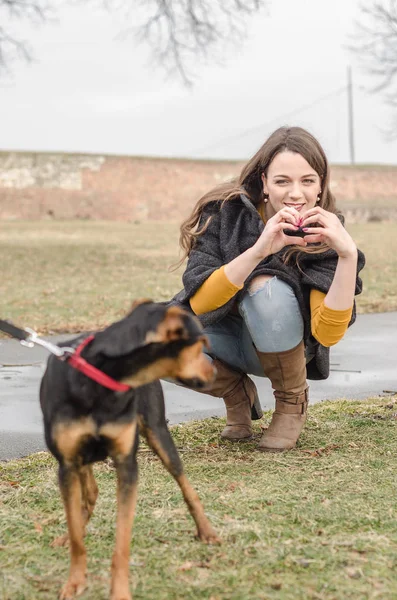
363, 364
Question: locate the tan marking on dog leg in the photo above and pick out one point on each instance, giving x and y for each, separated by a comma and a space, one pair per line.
71, 494
89, 491
156, 445
60, 541
89, 494
126, 504
68, 436
205, 531
122, 436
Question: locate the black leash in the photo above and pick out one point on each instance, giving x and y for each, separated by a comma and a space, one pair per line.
28, 337
13, 331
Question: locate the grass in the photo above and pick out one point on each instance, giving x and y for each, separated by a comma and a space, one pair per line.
379, 244
316, 523
82, 275
67, 276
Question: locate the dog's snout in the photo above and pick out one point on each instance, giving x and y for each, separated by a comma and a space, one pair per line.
207, 370
214, 373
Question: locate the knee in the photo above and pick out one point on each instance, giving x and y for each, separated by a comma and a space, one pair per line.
272, 314
259, 283
269, 296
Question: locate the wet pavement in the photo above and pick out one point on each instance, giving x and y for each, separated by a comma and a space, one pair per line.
363, 364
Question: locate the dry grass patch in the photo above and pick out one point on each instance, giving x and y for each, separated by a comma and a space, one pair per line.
319, 522
67, 276
379, 243
63, 276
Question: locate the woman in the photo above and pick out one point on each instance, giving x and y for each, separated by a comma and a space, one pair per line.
272, 275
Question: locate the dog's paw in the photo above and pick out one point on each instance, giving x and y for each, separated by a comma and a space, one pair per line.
120, 593
60, 542
208, 536
72, 588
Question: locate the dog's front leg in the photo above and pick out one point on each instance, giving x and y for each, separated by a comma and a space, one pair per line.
127, 479
160, 440
70, 486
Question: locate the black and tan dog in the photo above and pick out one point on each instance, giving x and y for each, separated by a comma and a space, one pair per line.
86, 422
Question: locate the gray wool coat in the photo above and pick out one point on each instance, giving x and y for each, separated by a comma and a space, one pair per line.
233, 229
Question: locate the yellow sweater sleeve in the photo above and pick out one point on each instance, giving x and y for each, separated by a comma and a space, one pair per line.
215, 292
328, 325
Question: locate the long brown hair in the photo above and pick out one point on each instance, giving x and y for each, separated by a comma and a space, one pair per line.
292, 139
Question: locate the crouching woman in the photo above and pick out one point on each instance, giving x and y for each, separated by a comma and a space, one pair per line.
272, 274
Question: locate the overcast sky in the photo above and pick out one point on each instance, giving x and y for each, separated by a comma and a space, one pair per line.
90, 92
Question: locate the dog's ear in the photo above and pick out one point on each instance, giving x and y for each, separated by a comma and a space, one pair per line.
146, 324
128, 334
138, 302
171, 328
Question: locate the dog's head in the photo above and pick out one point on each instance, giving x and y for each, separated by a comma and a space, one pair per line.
155, 341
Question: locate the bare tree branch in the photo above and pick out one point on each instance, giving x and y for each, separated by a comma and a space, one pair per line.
181, 32
375, 41
375, 44
178, 32
12, 11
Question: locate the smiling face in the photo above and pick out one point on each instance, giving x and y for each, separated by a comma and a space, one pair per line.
290, 181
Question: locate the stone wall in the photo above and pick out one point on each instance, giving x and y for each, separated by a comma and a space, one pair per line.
68, 186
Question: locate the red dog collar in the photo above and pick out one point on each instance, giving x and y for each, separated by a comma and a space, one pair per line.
78, 362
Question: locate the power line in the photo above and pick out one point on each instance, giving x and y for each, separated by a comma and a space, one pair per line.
276, 120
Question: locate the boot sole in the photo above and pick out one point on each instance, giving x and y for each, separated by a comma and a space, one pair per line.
262, 449
244, 439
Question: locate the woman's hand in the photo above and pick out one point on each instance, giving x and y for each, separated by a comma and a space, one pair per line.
273, 238
328, 229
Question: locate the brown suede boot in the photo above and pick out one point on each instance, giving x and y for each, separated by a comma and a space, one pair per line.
287, 373
241, 399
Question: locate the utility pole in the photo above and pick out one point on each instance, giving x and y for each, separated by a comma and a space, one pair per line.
350, 114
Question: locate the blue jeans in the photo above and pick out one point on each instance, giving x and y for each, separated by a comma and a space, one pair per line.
269, 320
